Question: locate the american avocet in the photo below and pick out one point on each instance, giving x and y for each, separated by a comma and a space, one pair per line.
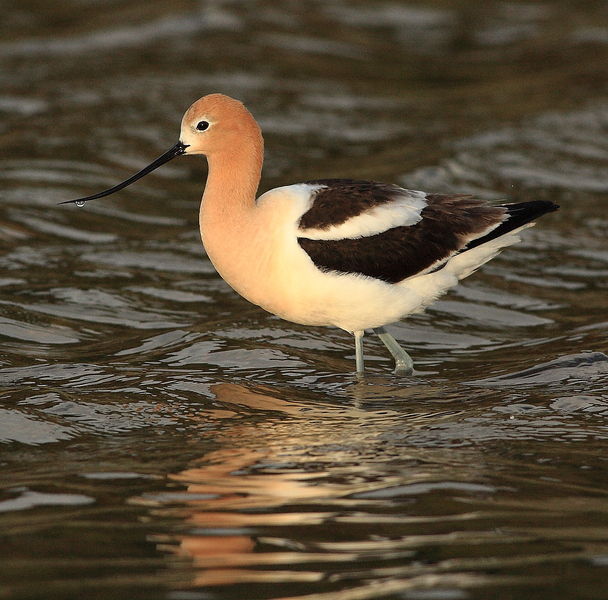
335, 252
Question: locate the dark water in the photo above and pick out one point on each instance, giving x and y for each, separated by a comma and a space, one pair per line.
165, 439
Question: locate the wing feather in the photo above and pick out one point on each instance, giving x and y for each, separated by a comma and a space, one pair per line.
448, 224
351, 209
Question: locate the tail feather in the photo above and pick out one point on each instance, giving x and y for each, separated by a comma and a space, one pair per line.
518, 214
465, 263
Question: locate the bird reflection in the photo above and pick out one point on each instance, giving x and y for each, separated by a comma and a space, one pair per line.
268, 505
240, 494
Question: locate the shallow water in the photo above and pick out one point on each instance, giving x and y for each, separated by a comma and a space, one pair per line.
162, 438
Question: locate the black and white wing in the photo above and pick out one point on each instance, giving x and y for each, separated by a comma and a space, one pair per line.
389, 233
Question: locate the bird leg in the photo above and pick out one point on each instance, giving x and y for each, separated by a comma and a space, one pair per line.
359, 361
404, 365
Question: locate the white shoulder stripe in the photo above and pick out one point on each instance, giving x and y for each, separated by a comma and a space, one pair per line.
404, 210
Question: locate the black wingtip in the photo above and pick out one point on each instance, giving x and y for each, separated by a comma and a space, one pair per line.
518, 215
533, 209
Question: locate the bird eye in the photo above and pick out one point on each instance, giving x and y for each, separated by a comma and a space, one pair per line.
202, 125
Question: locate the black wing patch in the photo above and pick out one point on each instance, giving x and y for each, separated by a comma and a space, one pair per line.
449, 224
342, 199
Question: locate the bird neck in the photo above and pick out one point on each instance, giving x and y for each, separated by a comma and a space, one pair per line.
232, 183
229, 214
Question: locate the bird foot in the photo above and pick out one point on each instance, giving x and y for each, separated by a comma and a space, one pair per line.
403, 369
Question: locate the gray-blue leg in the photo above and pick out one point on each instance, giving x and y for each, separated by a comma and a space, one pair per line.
359, 361
404, 365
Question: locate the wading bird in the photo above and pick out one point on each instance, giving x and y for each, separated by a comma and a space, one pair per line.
352, 254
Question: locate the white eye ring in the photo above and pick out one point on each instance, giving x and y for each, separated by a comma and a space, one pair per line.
202, 125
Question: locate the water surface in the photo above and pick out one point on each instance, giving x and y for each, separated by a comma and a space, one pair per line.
163, 438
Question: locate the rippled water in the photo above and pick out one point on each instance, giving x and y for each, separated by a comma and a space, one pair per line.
162, 438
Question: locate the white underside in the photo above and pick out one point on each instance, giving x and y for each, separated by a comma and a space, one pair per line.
283, 280
356, 302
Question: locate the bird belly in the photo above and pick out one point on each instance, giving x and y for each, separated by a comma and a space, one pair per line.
283, 280
266, 265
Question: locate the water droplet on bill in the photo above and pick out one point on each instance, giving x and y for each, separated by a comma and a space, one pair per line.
79, 203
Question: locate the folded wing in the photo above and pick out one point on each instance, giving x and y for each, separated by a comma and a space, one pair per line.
389, 233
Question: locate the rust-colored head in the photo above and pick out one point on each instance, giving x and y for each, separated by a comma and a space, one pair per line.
215, 123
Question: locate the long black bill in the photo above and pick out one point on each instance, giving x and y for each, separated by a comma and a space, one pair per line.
177, 150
